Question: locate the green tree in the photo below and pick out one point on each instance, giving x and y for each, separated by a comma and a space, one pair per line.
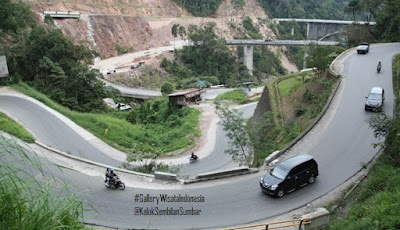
200, 8
357, 34
167, 88
260, 136
388, 22
209, 55
354, 7
318, 58
182, 31
15, 16
174, 32
241, 149
237, 6
372, 6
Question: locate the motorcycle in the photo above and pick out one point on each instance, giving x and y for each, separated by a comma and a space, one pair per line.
117, 184
378, 69
193, 160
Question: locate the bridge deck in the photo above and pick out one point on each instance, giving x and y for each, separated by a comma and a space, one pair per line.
62, 14
322, 21
280, 42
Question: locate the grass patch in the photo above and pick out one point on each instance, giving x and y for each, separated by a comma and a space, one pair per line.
287, 86
113, 128
302, 97
10, 126
237, 96
28, 202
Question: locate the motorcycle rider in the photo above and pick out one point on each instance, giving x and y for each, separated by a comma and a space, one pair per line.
110, 176
194, 156
379, 66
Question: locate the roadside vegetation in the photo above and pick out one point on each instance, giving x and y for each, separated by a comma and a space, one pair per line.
152, 127
200, 8
375, 203
296, 100
210, 62
10, 126
46, 65
383, 12
302, 99
28, 202
237, 96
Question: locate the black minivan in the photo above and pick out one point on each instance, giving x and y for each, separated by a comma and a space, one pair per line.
289, 175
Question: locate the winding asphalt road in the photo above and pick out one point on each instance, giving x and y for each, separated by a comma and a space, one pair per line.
340, 150
53, 132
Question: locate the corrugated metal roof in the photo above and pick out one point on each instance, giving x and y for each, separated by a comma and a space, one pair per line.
186, 92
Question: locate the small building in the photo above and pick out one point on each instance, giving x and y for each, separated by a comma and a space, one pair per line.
3, 67
184, 97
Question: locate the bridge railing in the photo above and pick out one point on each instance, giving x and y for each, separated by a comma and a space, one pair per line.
62, 14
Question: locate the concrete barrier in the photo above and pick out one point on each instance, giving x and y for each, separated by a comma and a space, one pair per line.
220, 174
272, 157
223, 173
165, 176
319, 219
91, 162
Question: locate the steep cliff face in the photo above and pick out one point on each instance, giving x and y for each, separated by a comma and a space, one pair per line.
109, 26
110, 32
156, 8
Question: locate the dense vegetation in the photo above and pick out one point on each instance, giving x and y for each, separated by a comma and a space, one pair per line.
384, 12
46, 59
326, 9
376, 202
264, 60
30, 198
153, 127
209, 59
49, 62
200, 8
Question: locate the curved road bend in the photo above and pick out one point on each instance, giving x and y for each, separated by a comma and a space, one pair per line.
340, 149
53, 132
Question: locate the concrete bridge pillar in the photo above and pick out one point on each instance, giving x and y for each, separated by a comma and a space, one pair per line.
248, 58
316, 31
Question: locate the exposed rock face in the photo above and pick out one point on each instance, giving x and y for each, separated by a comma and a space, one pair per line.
111, 30
155, 8
134, 25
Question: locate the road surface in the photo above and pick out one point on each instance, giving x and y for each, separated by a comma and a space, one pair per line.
340, 151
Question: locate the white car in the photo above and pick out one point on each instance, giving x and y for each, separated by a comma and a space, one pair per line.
363, 48
123, 107
111, 69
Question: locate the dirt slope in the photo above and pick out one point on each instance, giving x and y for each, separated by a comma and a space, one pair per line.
133, 25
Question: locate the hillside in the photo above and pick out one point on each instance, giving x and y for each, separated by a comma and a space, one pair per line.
113, 27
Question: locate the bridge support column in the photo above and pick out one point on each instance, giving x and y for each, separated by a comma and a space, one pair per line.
248, 58
305, 57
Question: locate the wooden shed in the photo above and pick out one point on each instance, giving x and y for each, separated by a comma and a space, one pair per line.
184, 97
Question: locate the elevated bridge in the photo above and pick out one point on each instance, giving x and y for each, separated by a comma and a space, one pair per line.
248, 47
62, 14
249, 42
318, 29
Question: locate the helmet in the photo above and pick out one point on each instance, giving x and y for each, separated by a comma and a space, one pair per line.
111, 170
